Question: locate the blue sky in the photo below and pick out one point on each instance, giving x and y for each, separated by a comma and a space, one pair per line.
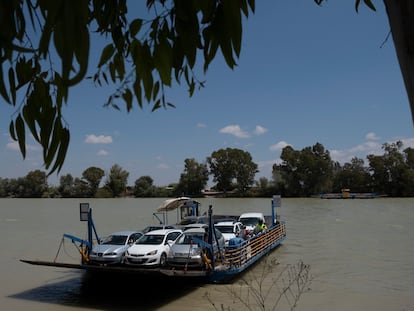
306, 74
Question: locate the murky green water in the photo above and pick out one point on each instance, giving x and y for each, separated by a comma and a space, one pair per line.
360, 251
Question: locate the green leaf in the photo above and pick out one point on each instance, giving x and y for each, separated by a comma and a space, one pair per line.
112, 71
119, 65
369, 4
211, 46
46, 120
11, 130
357, 5
187, 29
234, 22
207, 8
29, 114
82, 55
146, 72
222, 29
24, 71
54, 143
156, 106
127, 96
107, 53
138, 92
52, 11
155, 90
135, 27
63, 147
163, 61
104, 77
3, 91
192, 87
12, 85
252, 5
21, 135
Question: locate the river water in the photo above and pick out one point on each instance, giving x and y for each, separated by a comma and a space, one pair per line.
361, 254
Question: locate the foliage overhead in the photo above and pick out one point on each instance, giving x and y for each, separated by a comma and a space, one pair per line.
142, 56
368, 3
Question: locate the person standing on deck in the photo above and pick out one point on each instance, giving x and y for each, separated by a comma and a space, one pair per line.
260, 226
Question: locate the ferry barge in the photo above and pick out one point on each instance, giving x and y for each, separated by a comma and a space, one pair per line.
220, 267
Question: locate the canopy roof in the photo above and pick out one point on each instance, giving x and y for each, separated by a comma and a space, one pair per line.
172, 204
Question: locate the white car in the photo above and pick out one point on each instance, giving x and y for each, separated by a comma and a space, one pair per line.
229, 229
112, 249
152, 248
250, 220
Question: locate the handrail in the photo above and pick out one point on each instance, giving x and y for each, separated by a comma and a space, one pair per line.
236, 256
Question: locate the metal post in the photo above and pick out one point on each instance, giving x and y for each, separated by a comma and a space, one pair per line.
210, 234
90, 226
276, 202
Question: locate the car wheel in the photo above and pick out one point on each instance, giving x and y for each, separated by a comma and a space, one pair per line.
163, 260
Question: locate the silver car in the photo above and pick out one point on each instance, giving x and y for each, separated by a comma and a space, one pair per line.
229, 229
112, 249
187, 251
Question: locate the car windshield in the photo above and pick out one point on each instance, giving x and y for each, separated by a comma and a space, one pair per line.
115, 240
252, 221
152, 228
188, 238
151, 239
225, 229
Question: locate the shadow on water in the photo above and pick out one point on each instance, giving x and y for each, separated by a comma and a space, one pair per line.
111, 291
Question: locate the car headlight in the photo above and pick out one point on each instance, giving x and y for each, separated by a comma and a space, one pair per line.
111, 254
196, 251
154, 252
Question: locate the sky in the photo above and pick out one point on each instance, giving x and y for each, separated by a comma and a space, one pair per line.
306, 75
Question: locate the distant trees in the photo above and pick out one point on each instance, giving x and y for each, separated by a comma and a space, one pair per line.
194, 178
302, 173
392, 173
33, 185
305, 172
311, 171
84, 187
232, 169
117, 180
93, 176
144, 187
353, 174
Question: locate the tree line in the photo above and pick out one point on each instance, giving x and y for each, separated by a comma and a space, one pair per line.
301, 173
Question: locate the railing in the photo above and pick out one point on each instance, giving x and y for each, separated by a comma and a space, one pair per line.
239, 255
